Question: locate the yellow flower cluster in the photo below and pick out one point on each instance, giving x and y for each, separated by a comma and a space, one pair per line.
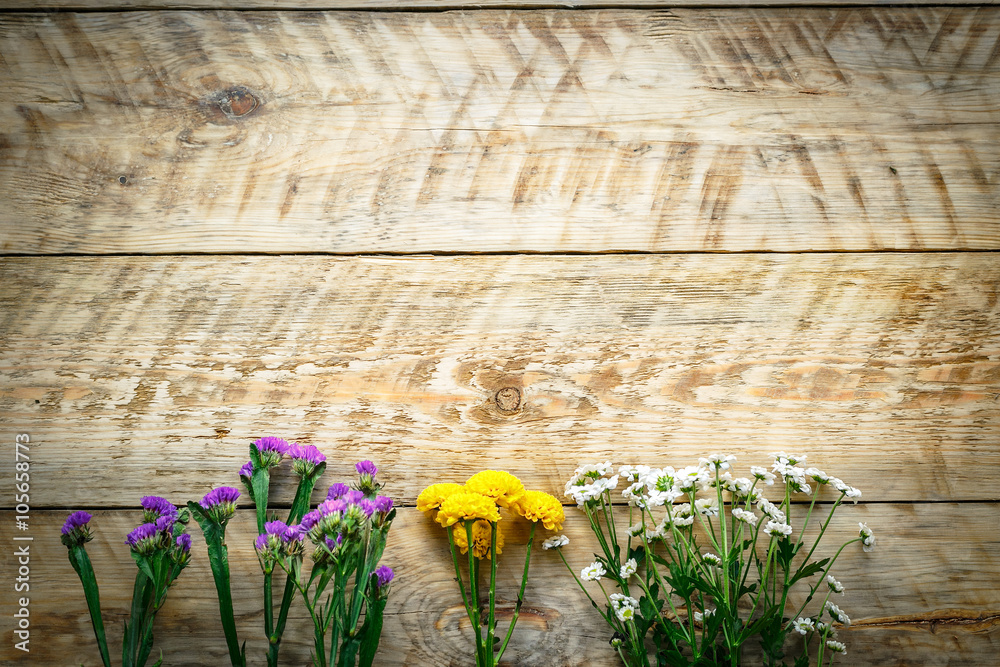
480, 500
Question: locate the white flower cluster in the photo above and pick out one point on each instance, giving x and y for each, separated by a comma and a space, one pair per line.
837, 614
773, 527
555, 542
834, 585
624, 606
593, 572
628, 568
711, 558
835, 646
589, 483
868, 538
745, 516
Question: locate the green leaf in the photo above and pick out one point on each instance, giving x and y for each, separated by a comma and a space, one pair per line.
808, 571
80, 561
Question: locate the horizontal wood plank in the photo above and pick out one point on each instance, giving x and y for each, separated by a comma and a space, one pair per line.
917, 599
438, 5
132, 372
722, 130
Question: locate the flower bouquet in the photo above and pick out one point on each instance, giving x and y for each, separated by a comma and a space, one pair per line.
160, 549
471, 516
709, 561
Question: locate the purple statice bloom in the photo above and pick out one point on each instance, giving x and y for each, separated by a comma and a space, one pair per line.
366, 468
276, 527
165, 524
328, 507
338, 490
154, 507
261, 542
306, 453
311, 519
271, 444
353, 497
383, 575
145, 538
367, 506
332, 544
383, 504
75, 521
293, 534
247, 470
184, 542
223, 494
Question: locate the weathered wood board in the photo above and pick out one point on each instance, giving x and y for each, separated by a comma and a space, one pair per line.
905, 610
436, 5
125, 369
719, 130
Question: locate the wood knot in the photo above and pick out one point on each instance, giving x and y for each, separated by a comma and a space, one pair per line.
508, 399
237, 101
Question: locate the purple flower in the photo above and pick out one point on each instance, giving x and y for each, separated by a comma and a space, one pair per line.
261, 542
75, 531
367, 471
247, 470
271, 444
383, 575
383, 504
332, 544
184, 542
154, 507
338, 490
311, 519
367, 506
165, 524
366, 468
328, 507
223, 494
271, 450
293, 534
306, 453
276, 527
353, 497
75, 521
144, 539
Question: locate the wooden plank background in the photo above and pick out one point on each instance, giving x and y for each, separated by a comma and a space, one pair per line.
708, 130
271, 156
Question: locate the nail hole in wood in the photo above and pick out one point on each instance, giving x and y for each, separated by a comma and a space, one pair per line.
508, 399
122, 180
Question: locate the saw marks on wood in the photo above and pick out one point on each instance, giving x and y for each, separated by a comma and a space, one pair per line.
897, 598
874, 363
718, 130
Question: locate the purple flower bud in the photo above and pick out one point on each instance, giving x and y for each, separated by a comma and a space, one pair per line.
75, 521
307, 453
366, 468
383, 504
184, 542
338, 490
271, 444
165, 524
76, 530
367, 506
276, 528
383, 575
154, 507
353, 497
333, 544
223, 494
311, 519
328, 507
144, 539
247, 470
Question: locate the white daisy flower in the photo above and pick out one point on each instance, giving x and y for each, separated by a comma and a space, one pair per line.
745, 516
837, 614
555, 542
834, 585
699, 617
593, 572
773, 527
711, 558
835, 646
803, 625
762, 474
628, 569
868, 541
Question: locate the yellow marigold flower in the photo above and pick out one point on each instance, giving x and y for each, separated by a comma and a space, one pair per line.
467, 505
540, 506
435, 494
480, 538
505, 489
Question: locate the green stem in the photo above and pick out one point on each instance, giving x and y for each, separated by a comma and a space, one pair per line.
520, 593
492, 625
474, 596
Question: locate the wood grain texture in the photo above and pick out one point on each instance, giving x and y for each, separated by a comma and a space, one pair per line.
721, 130
440, 5
945, 610
886, 368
